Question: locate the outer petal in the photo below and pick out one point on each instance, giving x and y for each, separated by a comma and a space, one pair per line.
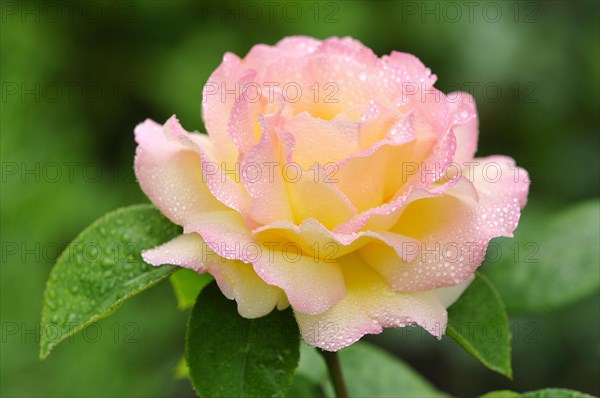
226, 233
453, 230
186, 250
410, 69
217, 104
449, 248
237, 280
368, 307
170, 175
261, 55
503, 187
449, 295
311, 284
221, 178
466, 129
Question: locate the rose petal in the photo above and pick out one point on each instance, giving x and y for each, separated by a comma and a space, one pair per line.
322, 141
170, 175
261, 55
218, 96
314, 239
313, 196
454, 230
383, 217
466, 126
449, 295
237, 280
223, 180
368, 307
262, 175
186, 250
311, 284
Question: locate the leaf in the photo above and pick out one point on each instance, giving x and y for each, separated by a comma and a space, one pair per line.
501, 394
231, 356
101, 269
552, 265
545, 393
312, 364
555, 393
478, 322
303, 387
368, 371
311, 374
187, 284
181, 370
371, 372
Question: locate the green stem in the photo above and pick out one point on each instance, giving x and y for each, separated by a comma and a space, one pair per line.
335, 372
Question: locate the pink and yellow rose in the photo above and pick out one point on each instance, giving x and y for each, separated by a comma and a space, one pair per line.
338, 183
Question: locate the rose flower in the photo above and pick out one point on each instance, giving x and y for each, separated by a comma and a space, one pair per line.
333, 181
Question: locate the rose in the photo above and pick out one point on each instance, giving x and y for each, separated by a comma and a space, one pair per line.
333, 181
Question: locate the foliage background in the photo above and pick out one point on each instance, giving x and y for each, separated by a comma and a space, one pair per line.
78, 76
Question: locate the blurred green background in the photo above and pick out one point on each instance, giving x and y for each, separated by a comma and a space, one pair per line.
78, 76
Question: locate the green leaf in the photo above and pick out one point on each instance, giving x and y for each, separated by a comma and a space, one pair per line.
100, 269
231, 356
368, 371
555, 393
312, 365
545, 393
181, 370
501, 394
303, 387
187, 284
552, 265
478, 322
311, 375
371, 372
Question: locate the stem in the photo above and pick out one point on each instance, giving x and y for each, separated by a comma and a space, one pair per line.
335, 372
